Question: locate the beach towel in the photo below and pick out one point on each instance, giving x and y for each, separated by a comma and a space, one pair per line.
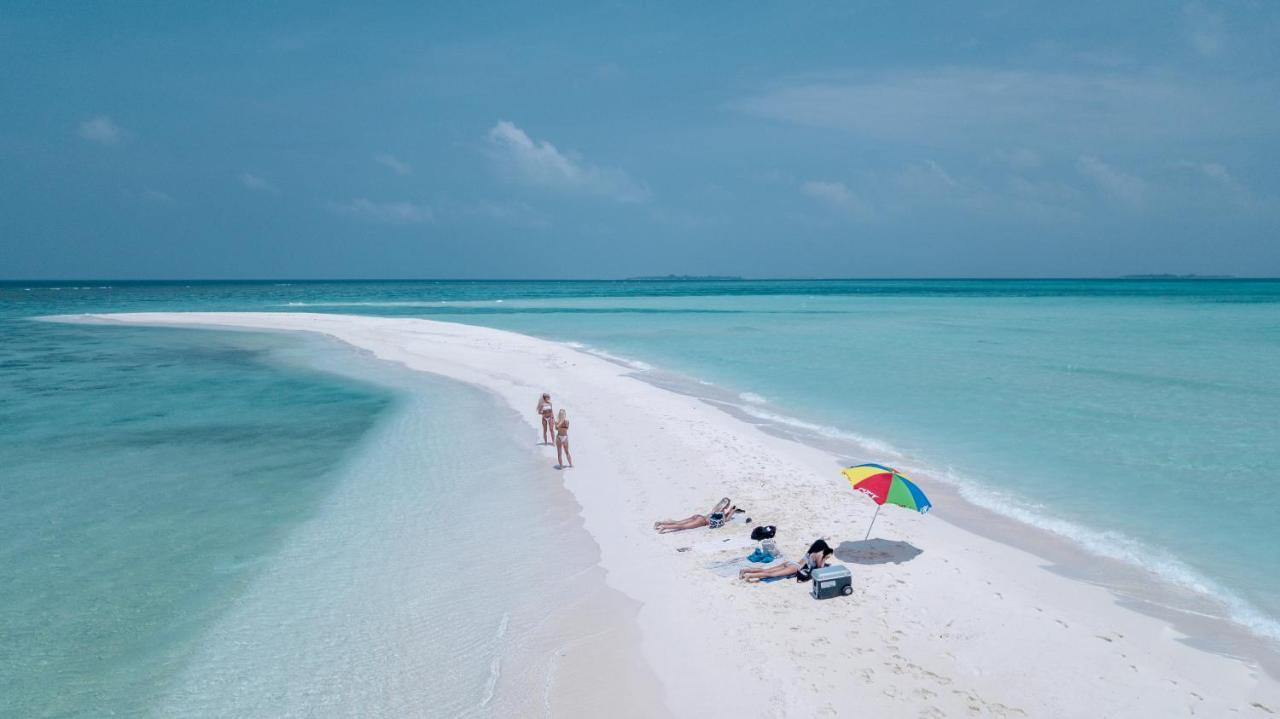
777, 579
730, 567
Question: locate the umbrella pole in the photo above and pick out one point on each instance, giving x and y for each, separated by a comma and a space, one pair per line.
873, 523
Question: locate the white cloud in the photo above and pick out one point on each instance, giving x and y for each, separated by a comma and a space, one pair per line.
540, 164
518, 214
101, 129
837, 196
156, 197
1204, 29
393, 163
926, 179
391, 213
257, 184
1019, 159
968, 106
1123, 187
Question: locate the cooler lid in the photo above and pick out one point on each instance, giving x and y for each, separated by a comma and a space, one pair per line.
833, 571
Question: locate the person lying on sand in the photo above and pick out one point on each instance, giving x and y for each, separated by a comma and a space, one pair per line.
719, 514
814, 558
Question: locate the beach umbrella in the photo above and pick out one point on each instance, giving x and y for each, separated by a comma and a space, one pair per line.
886, 484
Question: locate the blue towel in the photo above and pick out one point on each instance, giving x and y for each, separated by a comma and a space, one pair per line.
778, 579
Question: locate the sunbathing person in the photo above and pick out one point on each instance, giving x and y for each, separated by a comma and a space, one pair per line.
814, 558
719, 514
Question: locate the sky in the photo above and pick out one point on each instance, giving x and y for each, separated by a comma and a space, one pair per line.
205, 140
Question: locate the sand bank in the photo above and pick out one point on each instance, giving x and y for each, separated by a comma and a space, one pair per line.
943, 622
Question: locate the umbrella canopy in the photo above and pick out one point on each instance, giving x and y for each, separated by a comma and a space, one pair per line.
886, 485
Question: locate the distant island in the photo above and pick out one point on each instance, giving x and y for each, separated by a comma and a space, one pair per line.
1177, 277
683, 278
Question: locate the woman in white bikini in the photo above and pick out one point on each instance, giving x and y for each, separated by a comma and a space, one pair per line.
814, 558
562, 438
548, 421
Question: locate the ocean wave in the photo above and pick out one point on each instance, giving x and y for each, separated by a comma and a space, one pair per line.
59, 289
609, 356
403, 303
752, 397
495, 666
869, 443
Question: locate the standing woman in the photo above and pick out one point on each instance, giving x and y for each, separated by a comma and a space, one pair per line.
548, 421
562, 438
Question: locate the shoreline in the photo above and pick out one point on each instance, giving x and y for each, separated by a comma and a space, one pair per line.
780, 653
546, 654
1200, 615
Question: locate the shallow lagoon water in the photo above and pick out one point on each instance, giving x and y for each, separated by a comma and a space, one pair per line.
1138, 418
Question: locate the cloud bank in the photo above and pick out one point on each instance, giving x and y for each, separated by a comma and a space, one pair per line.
967, 106
389, 213
102, 130
257, 184
393, 163
836, 196
540, 164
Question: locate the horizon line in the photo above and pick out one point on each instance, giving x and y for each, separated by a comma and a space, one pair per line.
652, 278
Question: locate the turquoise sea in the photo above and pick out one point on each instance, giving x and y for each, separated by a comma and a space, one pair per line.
151, 480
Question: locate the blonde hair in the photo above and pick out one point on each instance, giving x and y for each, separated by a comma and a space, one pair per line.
561, 417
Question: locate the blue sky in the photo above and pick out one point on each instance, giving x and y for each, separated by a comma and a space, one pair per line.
858, 139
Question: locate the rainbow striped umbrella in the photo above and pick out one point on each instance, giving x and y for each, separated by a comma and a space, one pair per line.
886, 484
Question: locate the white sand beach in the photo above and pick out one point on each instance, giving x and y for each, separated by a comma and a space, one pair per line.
942, 623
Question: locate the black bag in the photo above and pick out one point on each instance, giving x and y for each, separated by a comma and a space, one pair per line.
762, 533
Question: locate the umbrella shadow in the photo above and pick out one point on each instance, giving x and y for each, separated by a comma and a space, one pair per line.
877, 551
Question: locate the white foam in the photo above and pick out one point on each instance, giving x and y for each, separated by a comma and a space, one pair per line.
403, 303
1110, 544
869, 443
616, 359
495, 666
753, 398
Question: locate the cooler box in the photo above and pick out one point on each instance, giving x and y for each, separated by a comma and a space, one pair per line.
831, 581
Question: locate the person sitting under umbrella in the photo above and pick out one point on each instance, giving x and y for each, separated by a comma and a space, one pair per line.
814, 558
719, 514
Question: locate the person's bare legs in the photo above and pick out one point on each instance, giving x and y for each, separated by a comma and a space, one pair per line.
559, 453
782, 570
547, 431
567, 453
676, 525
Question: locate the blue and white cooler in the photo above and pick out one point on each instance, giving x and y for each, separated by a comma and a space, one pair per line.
831, 581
